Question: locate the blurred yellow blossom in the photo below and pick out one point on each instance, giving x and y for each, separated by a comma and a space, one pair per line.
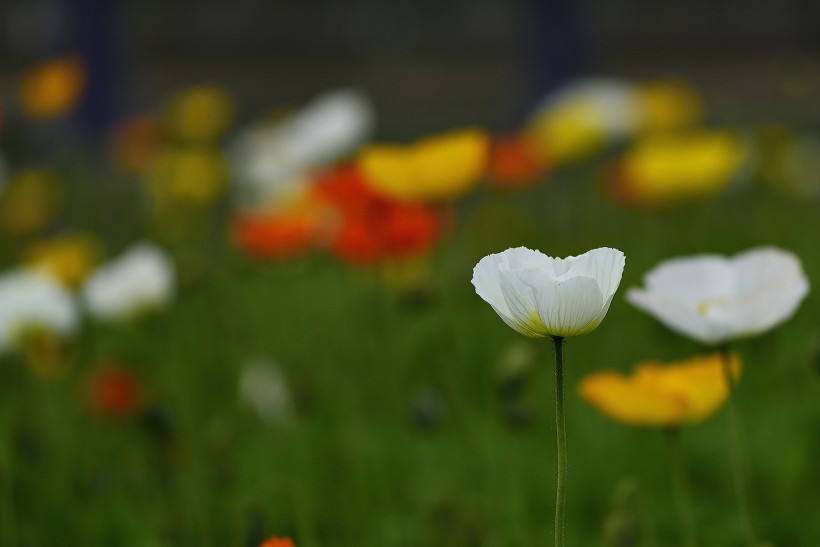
663, 395
436, 168
582, 117
53, 89
669, 105
29, 202
193, 176
199, 114
585, 115
665, 169
68, 258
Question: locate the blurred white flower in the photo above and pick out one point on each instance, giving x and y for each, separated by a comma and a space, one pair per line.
539, 296
714, 299
270, 162
140, 280
31, 301
611, 105
264, 388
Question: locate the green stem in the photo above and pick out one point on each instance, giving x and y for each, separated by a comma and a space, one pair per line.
736, 450
683, 497
561, 436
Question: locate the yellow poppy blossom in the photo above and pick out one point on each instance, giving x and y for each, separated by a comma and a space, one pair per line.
663, 395
68, 258
200, 114
195, 176
667, 106
29, 202
53, 89
436, 168
666, 169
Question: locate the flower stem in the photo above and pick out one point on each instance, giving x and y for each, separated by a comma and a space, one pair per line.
736, 450
561, 437
683, 497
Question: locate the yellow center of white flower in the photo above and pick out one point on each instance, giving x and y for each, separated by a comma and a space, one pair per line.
706, 305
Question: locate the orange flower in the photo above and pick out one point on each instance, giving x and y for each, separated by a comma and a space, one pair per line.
136, 143
277, 235
661, 395
114, 391
278, 542
53, 89
515, 162
371, 227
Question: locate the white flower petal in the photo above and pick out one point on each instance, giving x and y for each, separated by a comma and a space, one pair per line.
692, 279
32, 300
677, 316
141, 279
572, 307
605, 265
714, 299
542, 296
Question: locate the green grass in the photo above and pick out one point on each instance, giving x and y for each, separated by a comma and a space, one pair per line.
352, 468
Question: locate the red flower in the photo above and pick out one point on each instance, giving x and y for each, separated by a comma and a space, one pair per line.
515, 163
371, 227
277, 542
277, 235
114, 391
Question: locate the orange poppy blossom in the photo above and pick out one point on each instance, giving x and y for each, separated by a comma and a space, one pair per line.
136, 142
661, 395
514, 162
279, 234
113, 391
278, 542
370, 227
53, 89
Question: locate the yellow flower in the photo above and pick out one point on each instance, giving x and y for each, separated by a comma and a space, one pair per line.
663, 395
29, 202
68, 258
668, 105
669, 168
200, 114
582, 117
194, 176
437, 168
53, 89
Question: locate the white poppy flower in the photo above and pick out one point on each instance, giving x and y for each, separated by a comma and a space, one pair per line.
264, 388
30, 301
714, 299
609, 104
270, 162
141, 279
539, 296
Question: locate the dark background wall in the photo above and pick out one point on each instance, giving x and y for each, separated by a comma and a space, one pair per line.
427, 63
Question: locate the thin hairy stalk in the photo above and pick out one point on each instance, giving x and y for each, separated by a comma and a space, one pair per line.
561, 438
736, 450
